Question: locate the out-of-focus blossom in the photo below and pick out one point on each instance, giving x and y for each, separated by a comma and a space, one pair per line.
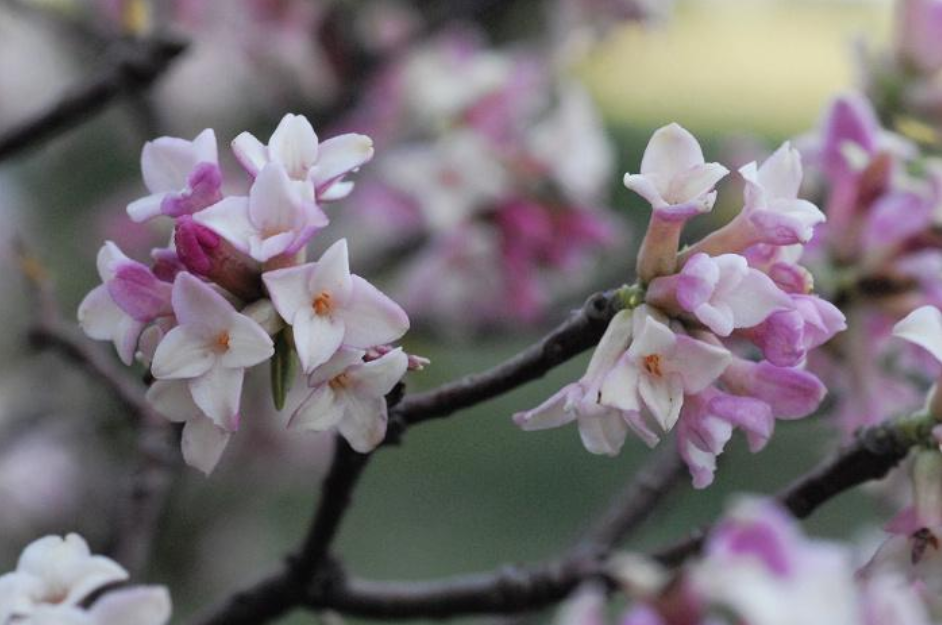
54, 579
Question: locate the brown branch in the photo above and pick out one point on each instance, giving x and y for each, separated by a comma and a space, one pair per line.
580, 332
145, 492
132, 67
874, 453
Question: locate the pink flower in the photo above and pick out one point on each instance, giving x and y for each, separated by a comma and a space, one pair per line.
210, 348
678, 184
273, 220
722, 292
349, 395
602, 427
663, 367
918, 32
786, 337
328, 307
294, 146
182, 176
203, 441
791, 393
129, 298
772, 213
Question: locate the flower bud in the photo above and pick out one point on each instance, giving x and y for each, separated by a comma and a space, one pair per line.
206, 254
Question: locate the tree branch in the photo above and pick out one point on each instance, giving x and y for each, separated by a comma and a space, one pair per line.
133, 66
874, 453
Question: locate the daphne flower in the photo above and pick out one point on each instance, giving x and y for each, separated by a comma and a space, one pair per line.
182, 176
294, 145
678, 184
923, 327
790, 392
722, 292
328, 307
211, 348
918, 32
663, 366
603, 427
129, 297
202, 441
773, 213
56, 571
273, 220
349, 395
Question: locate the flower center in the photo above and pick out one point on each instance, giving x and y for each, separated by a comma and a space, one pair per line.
222, 341
652, 364
322, 303
339, 382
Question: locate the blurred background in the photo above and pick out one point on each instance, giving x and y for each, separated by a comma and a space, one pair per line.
521, 118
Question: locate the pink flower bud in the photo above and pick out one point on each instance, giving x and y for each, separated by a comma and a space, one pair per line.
206, 254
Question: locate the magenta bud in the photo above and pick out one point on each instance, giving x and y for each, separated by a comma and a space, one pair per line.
205, 253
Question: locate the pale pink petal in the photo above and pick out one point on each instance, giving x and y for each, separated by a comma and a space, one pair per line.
552, 413
166, 164
250, 152
611, 346
202, 444
755, 298
146, 208
620, 388
378, 377
138, 605
217, 392
345, 358
696, 182
339, 155
294, 145
780, 175
198, 306
671, 152
67, 564
249, 344
320, 411
204, 147
336, 191
364, 422
371, 318
646, 188
266, 249
98, 314
172, 399
654, 338
229, 219
181, 355
923, 327
698, 363
273, 206
332, 274
316, 337
288, 289
603, 433
664, 397
719, 317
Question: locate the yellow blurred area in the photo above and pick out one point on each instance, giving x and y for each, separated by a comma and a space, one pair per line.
758, 66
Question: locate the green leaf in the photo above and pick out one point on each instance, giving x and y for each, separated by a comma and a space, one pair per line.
283, 368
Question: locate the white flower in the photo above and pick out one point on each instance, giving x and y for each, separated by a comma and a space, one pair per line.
674, 176
274, 219
349, 395
203, 441
294, 145
923, 327
328, 307
211, 348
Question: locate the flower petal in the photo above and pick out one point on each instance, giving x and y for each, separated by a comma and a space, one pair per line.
217, 392
320, 411
229, 219
371, 318
203, 443
316, 337
249, 344
552, 413
182, 354
603, 433
364, 422
923, 327
377, 377
172, 399
250, 152
664, 397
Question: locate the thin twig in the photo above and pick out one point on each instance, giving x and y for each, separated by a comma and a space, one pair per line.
874, 453
133, 66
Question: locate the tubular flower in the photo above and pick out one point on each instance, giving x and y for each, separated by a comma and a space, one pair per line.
678, 358
211, 305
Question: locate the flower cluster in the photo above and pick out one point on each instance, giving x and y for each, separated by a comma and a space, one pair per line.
759, 568
879, 255
233, 290
675, 358
494, 170
56, 579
